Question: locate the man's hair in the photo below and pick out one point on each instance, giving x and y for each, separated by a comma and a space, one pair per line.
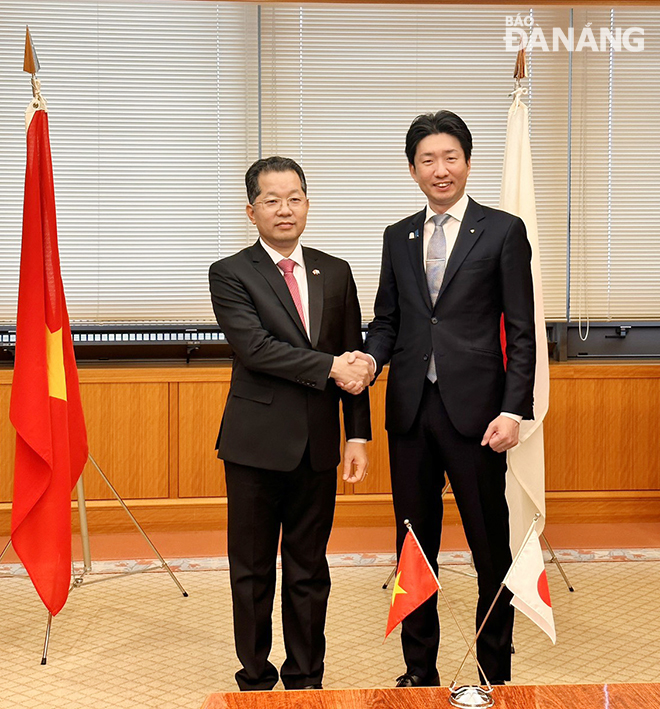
435, 123
272, 164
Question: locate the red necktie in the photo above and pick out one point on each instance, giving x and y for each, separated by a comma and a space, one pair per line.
287, 266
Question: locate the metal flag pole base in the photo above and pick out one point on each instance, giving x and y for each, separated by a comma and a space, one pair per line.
445, 567
44, 654
469, 696
79, 579
7, 545
555, 560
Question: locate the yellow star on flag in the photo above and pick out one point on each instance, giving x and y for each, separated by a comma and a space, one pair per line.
55, 364
397, 588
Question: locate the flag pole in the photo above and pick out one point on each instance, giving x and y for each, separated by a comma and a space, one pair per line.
38, 104
497, 595
31, 66
519, 73
444, 598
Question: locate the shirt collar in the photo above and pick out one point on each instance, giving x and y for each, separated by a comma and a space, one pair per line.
296, 256
457, 210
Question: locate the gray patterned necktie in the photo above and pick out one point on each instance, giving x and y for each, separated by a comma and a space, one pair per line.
436, 261
436, 257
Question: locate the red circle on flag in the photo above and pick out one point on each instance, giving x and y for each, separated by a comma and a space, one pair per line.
543, 589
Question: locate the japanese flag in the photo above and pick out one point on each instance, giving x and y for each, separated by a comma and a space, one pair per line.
528, 582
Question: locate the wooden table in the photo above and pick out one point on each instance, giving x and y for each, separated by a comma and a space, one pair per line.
574, 696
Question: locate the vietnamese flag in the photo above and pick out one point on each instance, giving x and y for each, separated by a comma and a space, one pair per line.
414, 583
45, 409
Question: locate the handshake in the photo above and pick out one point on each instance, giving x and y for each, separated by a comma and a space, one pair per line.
353, 371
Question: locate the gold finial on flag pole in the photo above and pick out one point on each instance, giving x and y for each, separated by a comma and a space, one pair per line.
31, 66
520, 72
31, 61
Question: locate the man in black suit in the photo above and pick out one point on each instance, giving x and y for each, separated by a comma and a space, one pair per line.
290, 314
449, 273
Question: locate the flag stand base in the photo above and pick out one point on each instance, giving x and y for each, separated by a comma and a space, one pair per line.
469, 696
78, 579
471, 575
554, 560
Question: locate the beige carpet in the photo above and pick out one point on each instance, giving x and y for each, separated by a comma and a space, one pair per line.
136, 642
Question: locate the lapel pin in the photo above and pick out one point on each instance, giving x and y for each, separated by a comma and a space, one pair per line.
471, 231
316, 272
411, 235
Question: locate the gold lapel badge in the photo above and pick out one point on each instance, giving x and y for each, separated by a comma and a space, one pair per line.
316, 272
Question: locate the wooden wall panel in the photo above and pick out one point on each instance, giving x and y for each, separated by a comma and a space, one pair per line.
201, 404
128, 433
601, 433
7, 446
378, 479
153, 428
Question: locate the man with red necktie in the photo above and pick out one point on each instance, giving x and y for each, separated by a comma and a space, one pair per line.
291, 315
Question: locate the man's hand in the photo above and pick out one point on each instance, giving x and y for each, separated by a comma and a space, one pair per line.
356, 462
351, 373
501, 434
355, 387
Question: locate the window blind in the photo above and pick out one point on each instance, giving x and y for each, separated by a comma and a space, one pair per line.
152, 120
341, 85
158, 107
615, 215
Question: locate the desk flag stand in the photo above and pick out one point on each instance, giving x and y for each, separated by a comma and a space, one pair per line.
467, 697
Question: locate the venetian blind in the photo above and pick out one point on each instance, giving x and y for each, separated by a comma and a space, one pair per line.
615, 215
341, 84
152, 122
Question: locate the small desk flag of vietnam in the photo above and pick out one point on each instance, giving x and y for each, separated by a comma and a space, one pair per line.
45, 409
414, 583
528, 582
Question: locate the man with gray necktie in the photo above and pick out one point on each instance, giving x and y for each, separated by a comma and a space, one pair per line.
450, 275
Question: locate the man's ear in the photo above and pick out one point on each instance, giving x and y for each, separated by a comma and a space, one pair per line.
413, 173
249, 210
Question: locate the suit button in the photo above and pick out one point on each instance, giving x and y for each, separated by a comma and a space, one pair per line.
434, 321
426, 358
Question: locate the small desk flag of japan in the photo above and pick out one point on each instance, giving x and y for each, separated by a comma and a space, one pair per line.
528, 582
414, 583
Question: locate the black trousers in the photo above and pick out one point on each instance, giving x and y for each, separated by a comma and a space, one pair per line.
261, 505
418, 462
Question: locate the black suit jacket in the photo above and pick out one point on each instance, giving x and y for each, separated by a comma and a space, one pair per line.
488, 273
281, 399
